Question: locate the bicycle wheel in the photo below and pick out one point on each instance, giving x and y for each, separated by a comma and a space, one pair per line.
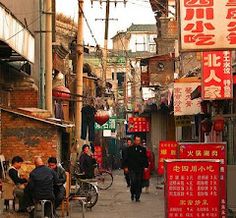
90, 192
104, 180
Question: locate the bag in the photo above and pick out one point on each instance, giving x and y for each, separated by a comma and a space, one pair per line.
146, 174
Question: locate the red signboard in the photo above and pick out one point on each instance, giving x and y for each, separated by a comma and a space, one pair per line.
207, 25
167, 150
217, 79
209, 151
192, 188
138, 124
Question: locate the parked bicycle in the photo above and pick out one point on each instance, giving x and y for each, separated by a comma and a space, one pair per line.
85, 188
103, 177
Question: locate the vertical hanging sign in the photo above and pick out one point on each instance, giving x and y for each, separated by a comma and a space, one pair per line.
192, 188
167, 150
207, 24
217, 79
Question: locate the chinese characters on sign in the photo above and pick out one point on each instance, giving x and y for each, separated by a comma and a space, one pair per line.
109, 125
138, 124
209, 151
192, 188
167, 150
206, 25
217, 79
183, 105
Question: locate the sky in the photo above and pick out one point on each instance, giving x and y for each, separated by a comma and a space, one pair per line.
136, 11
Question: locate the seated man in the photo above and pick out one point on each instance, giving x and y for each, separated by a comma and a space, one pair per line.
59, 189
41, 182
87, 163
13, 173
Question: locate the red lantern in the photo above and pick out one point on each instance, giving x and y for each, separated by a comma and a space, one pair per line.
101, 117
206, 125
61, 92
219, 123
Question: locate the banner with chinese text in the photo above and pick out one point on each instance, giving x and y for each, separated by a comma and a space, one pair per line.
109, 125
209, 151
207, 25
192, 188
217, 78
167, 150
183, 105
138, 124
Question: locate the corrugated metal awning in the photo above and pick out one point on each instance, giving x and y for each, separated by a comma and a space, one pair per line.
16, 42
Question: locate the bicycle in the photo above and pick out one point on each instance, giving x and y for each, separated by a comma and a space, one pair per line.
85, 188
102, 177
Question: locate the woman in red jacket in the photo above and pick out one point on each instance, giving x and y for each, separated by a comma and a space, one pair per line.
147, 171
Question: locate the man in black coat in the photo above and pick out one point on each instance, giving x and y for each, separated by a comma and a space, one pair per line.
41, 184
124, 155
136, 162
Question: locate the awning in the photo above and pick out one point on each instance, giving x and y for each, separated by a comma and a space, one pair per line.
16, 42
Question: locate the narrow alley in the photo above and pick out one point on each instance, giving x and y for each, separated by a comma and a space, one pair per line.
116, 203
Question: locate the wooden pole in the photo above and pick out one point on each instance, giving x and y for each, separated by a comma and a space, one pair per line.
48, 56
79, 72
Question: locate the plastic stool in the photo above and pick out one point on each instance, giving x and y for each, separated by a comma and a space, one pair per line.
81, 200
41, 213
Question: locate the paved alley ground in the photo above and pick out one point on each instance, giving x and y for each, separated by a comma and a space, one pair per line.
116, 203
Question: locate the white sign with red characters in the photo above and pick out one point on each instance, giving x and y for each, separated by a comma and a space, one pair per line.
217, 79
183, 105
207, 24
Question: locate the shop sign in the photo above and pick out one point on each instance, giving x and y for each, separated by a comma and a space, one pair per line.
209, 151
138, 124
109, 125
192, 188
167, 150
183, 121
217, 78
207, 25
183, 105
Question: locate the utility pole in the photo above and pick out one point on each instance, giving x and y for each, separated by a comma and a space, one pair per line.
104, 75
79, 71
107, 19
48, 56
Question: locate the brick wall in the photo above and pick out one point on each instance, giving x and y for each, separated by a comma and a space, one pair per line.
24, 98
28, 137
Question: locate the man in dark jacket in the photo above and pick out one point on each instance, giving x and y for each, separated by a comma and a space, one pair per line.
41, 182
124, 155
136, 162
59, 189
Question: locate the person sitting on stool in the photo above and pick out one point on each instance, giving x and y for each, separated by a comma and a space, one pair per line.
59, 189
41, 182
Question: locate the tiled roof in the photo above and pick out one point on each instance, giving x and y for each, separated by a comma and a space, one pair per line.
142, 27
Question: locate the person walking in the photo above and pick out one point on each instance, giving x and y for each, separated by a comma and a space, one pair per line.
147, 171
136, 162
124, 155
